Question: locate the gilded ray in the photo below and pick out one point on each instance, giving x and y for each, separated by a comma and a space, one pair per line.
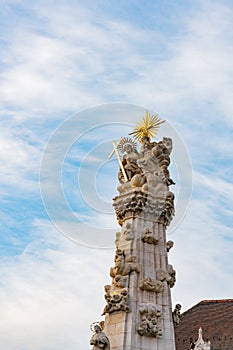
148, 126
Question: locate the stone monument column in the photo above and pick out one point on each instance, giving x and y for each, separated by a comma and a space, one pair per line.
138, 311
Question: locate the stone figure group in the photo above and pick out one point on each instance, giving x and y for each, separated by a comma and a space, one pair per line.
115, 302
147, 168
148, 325
124, 265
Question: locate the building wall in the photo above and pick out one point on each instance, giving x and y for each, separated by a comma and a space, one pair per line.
215, 317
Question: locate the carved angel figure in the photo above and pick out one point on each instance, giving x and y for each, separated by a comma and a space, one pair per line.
99, 340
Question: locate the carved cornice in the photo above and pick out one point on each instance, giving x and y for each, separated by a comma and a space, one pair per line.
135, 203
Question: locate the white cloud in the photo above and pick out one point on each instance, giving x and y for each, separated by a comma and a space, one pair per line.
19, 158
51, 293
78, 61
215, 186
64, 61
200, 256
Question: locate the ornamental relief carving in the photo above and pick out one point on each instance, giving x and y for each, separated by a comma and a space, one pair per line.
148, 325
151, 285
169, 275
149, 237
124, 265
115, 302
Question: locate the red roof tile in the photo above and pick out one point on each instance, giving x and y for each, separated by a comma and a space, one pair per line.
215, 317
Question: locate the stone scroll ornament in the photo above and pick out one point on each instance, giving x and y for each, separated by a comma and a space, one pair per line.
148, 325
99, 340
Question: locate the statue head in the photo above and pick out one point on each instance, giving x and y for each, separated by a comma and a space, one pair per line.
128, 225
128, 148
170, 244
124, 292
148, 279
107, 288
132, 258
147, 230
145, 140
97, 328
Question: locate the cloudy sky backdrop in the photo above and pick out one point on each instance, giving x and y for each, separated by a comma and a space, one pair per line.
58, 59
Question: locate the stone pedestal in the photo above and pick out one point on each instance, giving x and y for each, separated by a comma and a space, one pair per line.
148, 323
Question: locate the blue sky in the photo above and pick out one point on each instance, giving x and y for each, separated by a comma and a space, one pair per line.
58, 61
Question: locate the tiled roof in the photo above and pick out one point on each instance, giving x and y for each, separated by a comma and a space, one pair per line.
215, 317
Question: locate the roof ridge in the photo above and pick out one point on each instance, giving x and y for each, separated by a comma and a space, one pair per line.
208, 301
216, 301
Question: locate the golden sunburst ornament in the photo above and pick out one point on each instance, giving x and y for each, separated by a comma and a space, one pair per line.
148, 127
